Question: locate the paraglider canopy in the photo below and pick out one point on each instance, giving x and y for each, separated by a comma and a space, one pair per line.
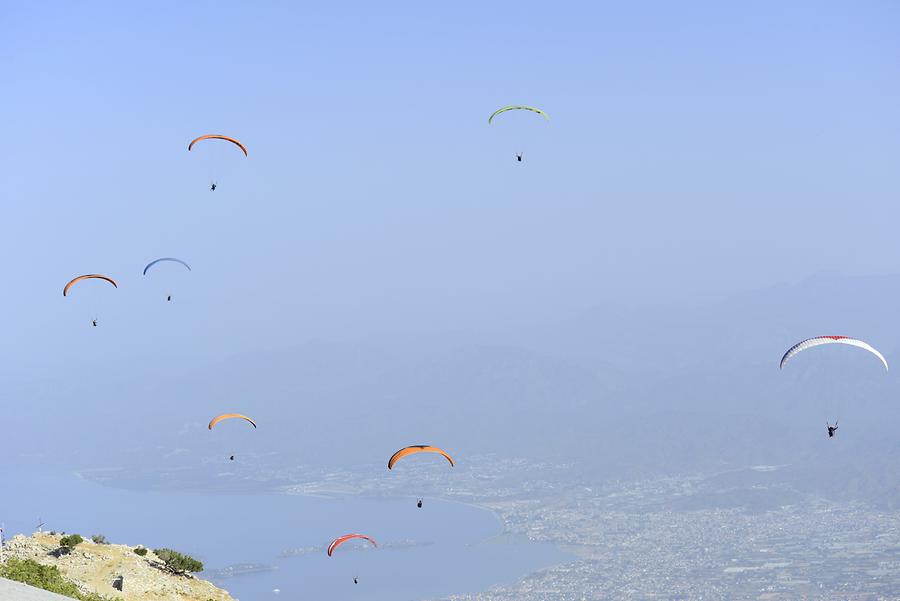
219, 137
225, 416
342, 539
418, 448
91, 276
518, 107
152, 263
820, 340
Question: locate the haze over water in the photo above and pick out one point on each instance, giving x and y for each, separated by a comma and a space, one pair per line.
441, 549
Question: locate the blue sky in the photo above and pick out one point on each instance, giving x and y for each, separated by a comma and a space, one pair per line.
695, 149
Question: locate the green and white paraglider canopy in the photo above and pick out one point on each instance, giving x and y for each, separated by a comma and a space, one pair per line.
518, 107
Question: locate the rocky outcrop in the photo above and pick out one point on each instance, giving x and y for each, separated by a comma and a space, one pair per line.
96, 568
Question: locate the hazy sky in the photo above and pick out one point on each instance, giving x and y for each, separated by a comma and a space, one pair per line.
694, 149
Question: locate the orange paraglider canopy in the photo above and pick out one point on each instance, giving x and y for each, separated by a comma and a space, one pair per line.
342, 539
219, 137
224, 416
418, 448
90, 276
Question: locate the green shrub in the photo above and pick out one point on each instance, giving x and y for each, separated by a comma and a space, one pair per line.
99, 539
178, 563
44, 577
69, 542
140, 551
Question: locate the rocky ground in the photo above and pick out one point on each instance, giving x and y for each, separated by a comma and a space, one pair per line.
94, 568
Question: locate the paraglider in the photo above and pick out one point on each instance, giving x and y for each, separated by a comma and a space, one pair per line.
820, 340
216, 156
518, 107
165, 260
225, 416
90, 276
418, 448
342, 539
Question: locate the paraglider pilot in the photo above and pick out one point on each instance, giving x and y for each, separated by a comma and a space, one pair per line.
212, 188
831, 429
94, 322
519, 156
419, 503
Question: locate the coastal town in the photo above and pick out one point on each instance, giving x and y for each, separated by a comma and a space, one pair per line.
712, 536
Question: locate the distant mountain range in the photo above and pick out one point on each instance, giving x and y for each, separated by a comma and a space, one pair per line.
655, 389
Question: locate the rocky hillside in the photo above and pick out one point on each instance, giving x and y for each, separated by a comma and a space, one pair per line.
94, 568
